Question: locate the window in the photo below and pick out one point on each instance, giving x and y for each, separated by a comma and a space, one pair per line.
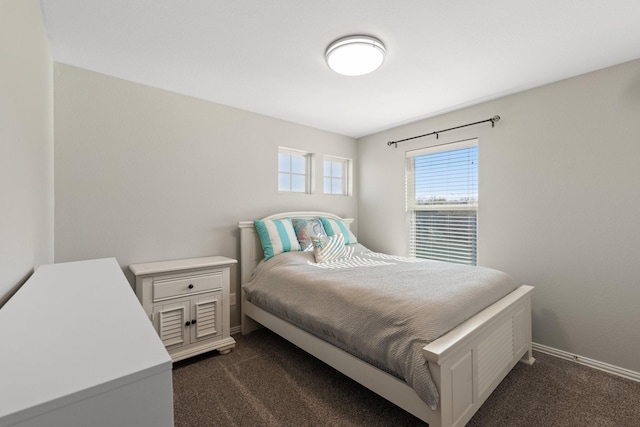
336, 176
294, 171
442, 202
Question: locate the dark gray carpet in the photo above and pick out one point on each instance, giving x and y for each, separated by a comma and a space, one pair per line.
266, 381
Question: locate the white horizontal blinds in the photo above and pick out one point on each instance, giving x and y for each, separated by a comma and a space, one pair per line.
442, 202
445, 236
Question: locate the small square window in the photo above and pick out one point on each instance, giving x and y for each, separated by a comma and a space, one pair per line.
294, 171
336, 176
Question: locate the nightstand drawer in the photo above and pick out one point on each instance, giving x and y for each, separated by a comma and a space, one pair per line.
179, 286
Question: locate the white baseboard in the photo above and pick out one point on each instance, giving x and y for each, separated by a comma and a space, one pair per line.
615, 370
235, 329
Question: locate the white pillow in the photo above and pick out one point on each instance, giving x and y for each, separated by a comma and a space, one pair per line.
332, 248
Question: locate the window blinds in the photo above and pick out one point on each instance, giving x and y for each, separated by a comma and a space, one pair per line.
442, 202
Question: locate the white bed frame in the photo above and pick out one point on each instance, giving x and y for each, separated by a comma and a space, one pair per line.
466, 364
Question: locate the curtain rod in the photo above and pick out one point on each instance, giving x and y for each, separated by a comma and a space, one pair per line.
493, 121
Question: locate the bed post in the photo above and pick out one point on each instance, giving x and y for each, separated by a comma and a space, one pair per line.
526, 333
250, 255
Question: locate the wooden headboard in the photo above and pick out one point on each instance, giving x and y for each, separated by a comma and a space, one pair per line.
250, 247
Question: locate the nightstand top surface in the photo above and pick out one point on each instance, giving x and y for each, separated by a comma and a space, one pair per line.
180, 264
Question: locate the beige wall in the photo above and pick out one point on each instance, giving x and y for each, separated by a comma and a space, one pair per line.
146, 175
559, 204
26, 144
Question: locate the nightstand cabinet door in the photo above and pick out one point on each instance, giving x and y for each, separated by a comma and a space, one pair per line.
207, 313
170, 320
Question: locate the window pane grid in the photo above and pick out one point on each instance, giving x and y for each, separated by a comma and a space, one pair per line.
293, 171
334, 177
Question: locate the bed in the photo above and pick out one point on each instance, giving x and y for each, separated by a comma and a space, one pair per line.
465, 364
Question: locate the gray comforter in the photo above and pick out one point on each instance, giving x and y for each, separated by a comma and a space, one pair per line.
380, 308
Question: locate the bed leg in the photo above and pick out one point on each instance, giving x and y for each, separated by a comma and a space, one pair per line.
528, 358
249, 325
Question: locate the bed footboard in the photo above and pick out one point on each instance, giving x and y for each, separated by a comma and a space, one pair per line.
469, 362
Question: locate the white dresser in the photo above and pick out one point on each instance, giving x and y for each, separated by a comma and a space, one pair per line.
187, 302
76, 349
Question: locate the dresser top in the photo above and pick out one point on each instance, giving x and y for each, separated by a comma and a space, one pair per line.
180, 264
72, 331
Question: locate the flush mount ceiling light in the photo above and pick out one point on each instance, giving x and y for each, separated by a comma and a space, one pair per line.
355, 55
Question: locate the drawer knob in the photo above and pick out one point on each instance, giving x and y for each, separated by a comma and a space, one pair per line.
190, 286
187, 323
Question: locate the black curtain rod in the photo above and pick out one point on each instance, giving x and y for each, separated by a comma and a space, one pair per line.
493, 121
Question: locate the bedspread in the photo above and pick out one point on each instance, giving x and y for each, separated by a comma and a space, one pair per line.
382, 309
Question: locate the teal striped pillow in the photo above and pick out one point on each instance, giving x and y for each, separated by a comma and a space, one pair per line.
327, 249
276, 236
332, 227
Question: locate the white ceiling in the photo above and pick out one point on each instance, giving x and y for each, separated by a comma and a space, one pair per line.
268, 56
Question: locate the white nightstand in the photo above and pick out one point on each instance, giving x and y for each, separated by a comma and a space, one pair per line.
188, 303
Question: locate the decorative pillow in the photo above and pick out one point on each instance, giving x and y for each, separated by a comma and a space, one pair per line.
306, 229
327, 249
332, 227
277, 236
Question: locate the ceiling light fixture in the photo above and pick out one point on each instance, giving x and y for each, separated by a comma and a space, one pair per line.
355, 55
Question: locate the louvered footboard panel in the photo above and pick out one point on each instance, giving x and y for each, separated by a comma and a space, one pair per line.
495, 354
